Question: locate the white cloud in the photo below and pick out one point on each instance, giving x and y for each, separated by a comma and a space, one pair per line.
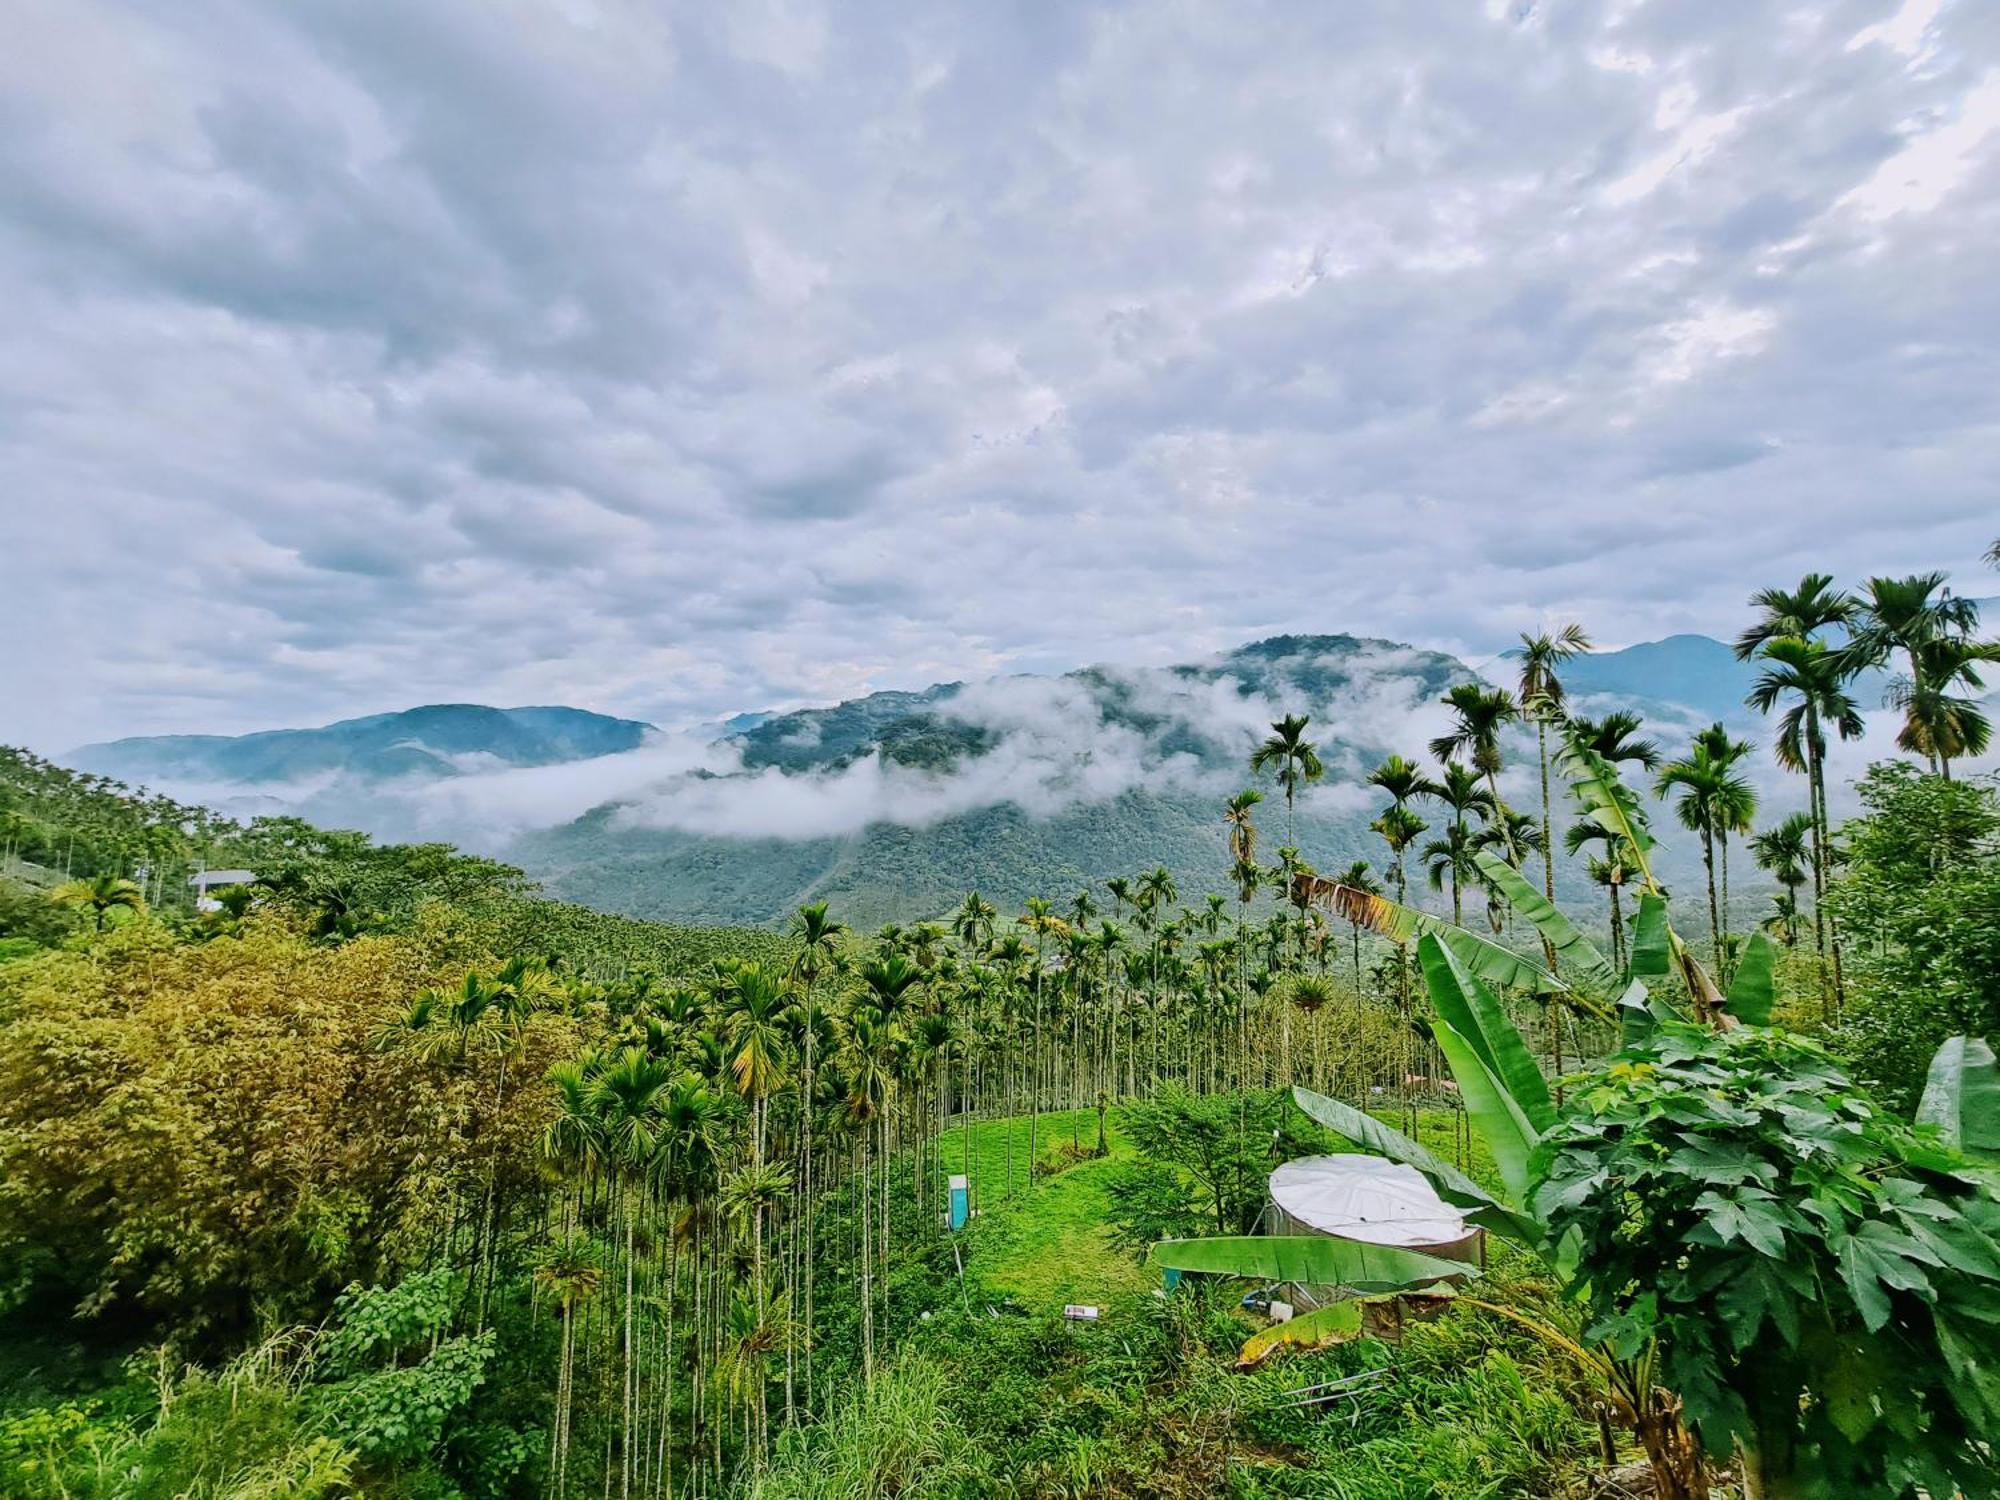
1933, 162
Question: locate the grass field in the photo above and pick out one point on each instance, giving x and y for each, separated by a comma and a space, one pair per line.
1054, 1246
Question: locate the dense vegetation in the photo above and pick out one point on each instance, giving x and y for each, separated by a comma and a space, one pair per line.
385, 1176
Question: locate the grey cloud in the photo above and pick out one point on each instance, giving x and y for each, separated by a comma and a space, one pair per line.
670, 361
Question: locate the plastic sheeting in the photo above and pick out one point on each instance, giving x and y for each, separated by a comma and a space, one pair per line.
1365, 1198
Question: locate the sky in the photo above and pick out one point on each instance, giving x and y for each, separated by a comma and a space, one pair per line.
673, 361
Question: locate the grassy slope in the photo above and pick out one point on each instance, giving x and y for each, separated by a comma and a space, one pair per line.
1056, 1247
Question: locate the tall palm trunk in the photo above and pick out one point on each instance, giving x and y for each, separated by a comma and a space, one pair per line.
1722, 857
1035, 1064
1714, 914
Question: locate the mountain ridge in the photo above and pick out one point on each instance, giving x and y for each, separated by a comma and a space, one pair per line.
432, 739
892, 804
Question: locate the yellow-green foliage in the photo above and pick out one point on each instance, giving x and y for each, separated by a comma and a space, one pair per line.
209, 1131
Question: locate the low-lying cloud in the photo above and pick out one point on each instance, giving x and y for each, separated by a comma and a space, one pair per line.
1053, 743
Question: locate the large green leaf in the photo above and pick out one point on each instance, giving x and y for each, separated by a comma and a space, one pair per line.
1308, 1259
1460, 1191
1398, 923
1652, 958
1597, 785
1571, 946
1751, 991
1473, 1010
1962, 1096
1640, 1010
1492, 1110
1335, 1323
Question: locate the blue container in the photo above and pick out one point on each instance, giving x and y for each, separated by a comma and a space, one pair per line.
961, 1203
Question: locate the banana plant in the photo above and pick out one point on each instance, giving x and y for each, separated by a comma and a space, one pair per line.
1507, 1099
1363, 1273
1962, 1098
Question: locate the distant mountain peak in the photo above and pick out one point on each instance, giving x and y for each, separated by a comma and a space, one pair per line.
432, 739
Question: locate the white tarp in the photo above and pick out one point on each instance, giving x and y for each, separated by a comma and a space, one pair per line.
1365, 1198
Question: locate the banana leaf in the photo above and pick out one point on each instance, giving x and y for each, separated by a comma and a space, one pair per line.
1597, 785
1460, 1191
1639, 1011
1571, 946
1473, 1010
1399, 924
1494, 1114
1962, 1097
1335, 1323
1750, 992
1650, 956
1309, 1259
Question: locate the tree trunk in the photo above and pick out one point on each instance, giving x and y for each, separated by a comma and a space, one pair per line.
1678, 1471
1714, 915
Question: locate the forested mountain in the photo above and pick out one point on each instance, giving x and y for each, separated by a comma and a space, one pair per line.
438, 739
894, 804
901, 801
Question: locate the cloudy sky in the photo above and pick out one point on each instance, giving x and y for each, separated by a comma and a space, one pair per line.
677, 360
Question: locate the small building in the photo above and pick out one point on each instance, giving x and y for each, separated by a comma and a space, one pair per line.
205, 881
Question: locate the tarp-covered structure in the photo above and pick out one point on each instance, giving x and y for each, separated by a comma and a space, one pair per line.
1370, 1200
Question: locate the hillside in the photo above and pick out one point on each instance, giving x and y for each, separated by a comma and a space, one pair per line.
893, 805
436, 740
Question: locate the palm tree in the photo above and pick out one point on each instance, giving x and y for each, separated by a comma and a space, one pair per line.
1461, 792
973, 925
1809, 672
1916, 616
1039, 918
628, 1095
1449, 859
1783, 920
1711, 794
1735, 807
1404, 781
867, 1090
689, 1131
1082, 907
819, 938
102, 893
1481, 713
1784, 850
1242, 831
1609, 870
1938, 723
1358, 877
1814, 606
1616, 738
1294, 759
1541, 695
1399, 828
571, 1270
755, 1003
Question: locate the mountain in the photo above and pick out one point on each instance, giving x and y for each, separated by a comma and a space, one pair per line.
435, 741
893, 805
1691, 671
